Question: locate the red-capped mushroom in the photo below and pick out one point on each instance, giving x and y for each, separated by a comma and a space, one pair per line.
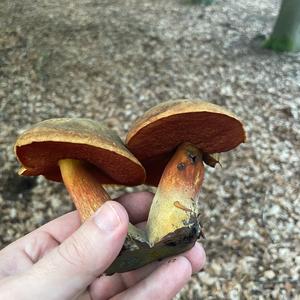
83, 154
171, 140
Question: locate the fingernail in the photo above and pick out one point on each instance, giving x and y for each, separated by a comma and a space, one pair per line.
107, 218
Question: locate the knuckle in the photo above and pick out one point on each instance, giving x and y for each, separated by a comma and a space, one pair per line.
38, 245
75, 251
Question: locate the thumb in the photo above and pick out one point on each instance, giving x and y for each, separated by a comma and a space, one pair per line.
72, 266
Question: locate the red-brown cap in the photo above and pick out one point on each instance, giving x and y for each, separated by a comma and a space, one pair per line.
41, 147
154, 137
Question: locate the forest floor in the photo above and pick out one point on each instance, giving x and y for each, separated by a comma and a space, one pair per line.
112, 60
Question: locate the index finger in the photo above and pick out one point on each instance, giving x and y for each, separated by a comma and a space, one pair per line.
136, 204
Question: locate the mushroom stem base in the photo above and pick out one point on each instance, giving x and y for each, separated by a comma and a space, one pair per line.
132, 258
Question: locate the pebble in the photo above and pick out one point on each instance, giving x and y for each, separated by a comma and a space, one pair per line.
269, 274
216, 268
206, 279
13, 213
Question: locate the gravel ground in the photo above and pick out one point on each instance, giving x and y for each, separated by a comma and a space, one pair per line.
111, 60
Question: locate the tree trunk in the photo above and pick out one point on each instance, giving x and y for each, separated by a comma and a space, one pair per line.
205, 2
286, 32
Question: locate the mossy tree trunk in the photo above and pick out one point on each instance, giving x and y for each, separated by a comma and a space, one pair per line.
286, 32
205, 2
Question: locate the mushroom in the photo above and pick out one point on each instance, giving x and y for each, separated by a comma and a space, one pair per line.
83, 154
172, 140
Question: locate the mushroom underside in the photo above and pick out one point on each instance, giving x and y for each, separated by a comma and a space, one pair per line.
41, 158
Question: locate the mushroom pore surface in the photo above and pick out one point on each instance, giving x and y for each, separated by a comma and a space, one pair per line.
154, 137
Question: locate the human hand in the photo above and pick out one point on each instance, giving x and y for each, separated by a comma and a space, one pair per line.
63, 260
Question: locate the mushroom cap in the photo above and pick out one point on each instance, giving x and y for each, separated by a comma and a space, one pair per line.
154, 137
41, 147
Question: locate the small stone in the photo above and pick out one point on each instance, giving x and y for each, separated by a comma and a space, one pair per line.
269, 274
275, 293
206, 279
216, 268
55, 202
226, 91
235, 292
13, 213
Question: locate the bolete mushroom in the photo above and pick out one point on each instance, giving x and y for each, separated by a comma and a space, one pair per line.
172, 140
83, 154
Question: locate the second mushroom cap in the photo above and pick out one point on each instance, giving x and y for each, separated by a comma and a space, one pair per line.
154, 137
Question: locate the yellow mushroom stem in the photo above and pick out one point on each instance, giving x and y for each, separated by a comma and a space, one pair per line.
175, 205
87, 193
